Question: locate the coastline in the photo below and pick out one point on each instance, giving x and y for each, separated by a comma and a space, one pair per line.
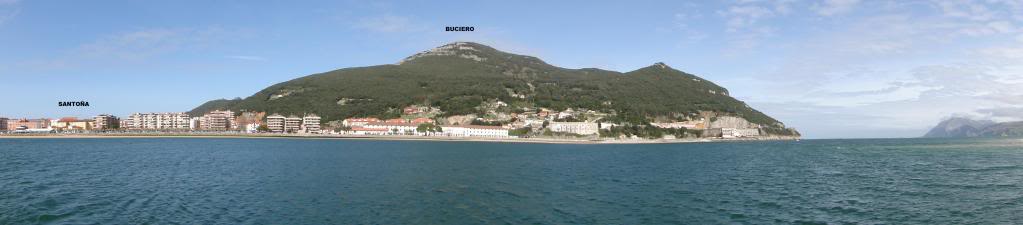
538, 140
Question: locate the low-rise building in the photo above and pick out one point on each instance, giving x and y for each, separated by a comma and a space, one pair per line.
394, 128
581, 128
370, 131
71, 123
275, 123
24, 124
358, 122
474, 131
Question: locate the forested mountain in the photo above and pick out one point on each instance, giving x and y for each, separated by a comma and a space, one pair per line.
458, 77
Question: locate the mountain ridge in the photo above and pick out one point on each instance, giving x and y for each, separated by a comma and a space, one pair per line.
966, 127
459, 76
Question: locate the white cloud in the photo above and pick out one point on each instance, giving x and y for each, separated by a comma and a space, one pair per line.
834, 7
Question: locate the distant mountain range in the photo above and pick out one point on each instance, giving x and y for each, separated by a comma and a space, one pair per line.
964, 127
458, 77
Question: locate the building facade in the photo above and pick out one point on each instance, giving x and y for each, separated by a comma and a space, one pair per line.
71, 123
106, 122
217, 120
28, 124
474, 131
581, 128
311, 124
159, 121
275, 123
292, 124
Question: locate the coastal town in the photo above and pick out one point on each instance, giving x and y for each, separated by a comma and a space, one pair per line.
415, 121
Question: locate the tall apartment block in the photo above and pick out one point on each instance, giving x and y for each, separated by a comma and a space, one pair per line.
159, 121
106, 121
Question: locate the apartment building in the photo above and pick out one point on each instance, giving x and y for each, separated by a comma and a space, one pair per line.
581, 128
106, 121
159, 121
292, 124
311, 124
275, 123
217, 120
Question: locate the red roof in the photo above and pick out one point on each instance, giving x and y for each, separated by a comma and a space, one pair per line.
395, 121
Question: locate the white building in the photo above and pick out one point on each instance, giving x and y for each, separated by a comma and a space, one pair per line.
392, 128
275, 123
311, 124
581, 128
159, 121
474, 131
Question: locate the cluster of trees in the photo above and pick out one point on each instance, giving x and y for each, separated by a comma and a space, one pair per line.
429, 128
651, 132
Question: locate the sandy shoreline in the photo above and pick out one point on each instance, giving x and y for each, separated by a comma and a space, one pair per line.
392, 138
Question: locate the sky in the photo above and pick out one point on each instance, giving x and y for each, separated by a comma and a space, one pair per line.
829, 68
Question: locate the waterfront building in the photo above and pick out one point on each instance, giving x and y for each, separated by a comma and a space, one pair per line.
581, 128
217, 120
125, 123
393, 128
23, 124
292, 124
106, 122
311, 124
71, 123
275, 123
159, 121
474, 131
370, 131
358, 122
3, 123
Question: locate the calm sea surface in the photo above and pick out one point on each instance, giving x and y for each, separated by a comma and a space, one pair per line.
305, 181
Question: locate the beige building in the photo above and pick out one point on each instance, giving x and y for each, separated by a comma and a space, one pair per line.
218, 120
581, 128
275, 123
292, 124
311, 124
71, 123
105, 122
23, 124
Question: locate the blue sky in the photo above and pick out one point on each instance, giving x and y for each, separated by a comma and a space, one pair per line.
831, 68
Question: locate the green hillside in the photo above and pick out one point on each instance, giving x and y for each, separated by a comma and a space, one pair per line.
457, 77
